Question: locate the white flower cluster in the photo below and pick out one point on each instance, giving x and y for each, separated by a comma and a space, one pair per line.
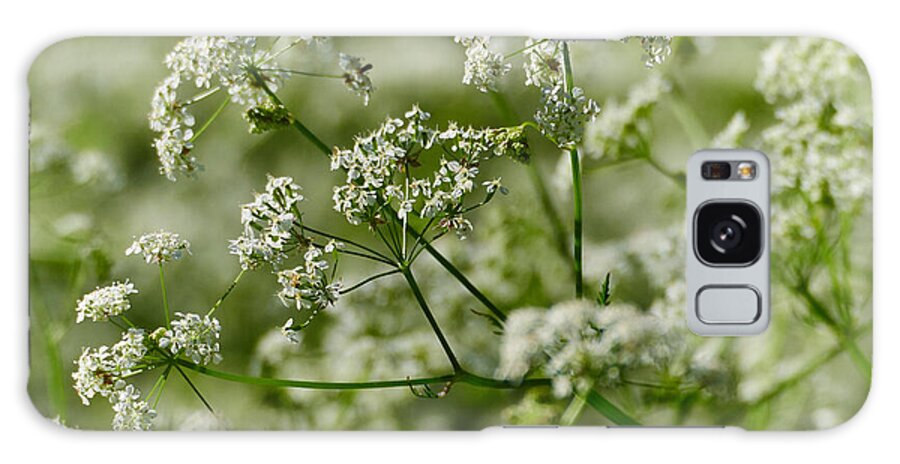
821, 137
544, 63
379, 164
159, 247
563, 115
102, 372
308, 286
483, 67
102, 303
656, 49
733, 133
580, 344
355, 77
192, 335
131, 412
268, 223
624, 129
204, 62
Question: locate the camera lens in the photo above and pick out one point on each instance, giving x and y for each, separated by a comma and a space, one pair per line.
728, 233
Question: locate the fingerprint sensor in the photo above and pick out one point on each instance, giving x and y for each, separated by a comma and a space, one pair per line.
728, 304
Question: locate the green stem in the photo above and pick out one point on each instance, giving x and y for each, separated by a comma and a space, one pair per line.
818, 309
407, 273
210, 120
573, 410
347, 241
367, 280
194, 388
227, 292
609, 410
461, 277
162, 386
162, 284
576, 187
460, 377
798, 376
294, 121
304, 73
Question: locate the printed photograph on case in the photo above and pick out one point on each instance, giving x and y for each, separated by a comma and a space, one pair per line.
435, 233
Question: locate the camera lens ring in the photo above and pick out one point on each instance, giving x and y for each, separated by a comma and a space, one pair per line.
749, 221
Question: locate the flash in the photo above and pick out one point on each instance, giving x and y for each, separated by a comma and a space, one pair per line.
746, 170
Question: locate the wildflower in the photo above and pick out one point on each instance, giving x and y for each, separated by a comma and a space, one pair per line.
209, 63
578, 344
131, 413
194, 336
308, 286
562, 115
623, 129
494, 185
159, 247
103, 303
656, 49
268, 222
812, 83
544, 63
731, 135
101, 370
355, 77
379, 168
483, 67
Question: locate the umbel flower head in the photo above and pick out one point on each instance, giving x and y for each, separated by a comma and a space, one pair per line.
379, 169
159, 247
105, 302
192, 335
268, 223
483, 67
101, 370
207, 64
563, 115
355, 77
579, 344
544, 63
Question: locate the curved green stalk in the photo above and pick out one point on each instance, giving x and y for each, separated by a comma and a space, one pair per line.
209, 121
227, 292
576, 188
162, 284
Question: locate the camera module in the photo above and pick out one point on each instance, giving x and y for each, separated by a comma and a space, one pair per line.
728, 233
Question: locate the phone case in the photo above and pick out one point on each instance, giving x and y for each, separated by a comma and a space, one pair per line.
420, 233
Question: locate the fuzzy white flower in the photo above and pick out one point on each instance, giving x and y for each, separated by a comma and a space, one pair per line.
131, 413
579, 344
159, 247
734, 131
379, 168
624, 128
101, 370
656, 49
308, 286
543, 63
268, 222
483, 67
563, 115
102, 303
207, 63
194, 336
355, 77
